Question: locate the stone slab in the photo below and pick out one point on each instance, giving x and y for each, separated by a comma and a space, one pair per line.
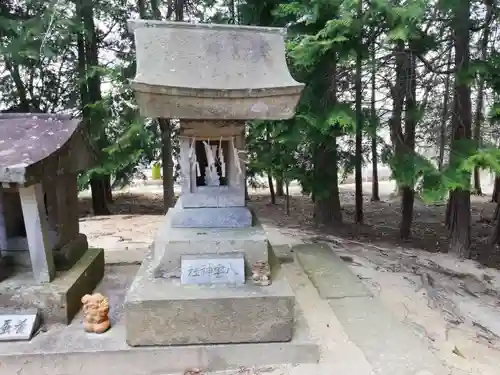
210, 269
18, 325
69, 350
328, 272
368, 324
210, 217
59, 300
164, 312
171, 243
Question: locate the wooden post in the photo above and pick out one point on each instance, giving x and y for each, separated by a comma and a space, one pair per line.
35, 221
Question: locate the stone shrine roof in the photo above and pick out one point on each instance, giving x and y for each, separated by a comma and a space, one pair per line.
28, 140
207, 71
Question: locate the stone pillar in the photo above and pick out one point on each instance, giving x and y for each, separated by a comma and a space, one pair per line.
238, 180
3, 227
69, 226
37, 227
3, 238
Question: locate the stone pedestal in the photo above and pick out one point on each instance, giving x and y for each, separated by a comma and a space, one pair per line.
160, 311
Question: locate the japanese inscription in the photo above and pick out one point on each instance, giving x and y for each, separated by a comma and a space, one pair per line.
18, 326
213, 269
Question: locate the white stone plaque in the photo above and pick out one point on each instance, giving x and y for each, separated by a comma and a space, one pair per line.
207, 269
15, 326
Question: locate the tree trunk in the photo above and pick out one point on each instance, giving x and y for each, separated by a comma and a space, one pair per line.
444, 114
279, 187
487, 256
358, 217
141, 6
495, 235
165, 124
247, 196
398, 98
108, 189
327, 208
496, 190
479, 118
408, 192
271, 187
179, 10
155, 9
232, 11
92, 94
373, 115
495, 215
460, 223
167, 164
98, 189
477, 133
460, 219
287, 198
407, 200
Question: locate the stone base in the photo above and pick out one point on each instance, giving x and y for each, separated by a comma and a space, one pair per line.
212, 217
17, 252
58, 301
70, 350
69, 254
171, 243
64, 257
164, 312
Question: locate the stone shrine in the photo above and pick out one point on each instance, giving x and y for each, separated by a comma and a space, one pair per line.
211, 276
47, 264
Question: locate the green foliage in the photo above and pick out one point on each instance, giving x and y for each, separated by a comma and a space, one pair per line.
38, 49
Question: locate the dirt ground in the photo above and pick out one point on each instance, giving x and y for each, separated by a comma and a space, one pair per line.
381, 219
452, 303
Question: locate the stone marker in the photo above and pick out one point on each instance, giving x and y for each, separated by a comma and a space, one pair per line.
16, 326
213, 269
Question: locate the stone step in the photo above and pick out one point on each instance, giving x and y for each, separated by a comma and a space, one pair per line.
389, 345
328, 272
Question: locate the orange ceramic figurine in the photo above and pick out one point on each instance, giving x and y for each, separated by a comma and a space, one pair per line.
95, 313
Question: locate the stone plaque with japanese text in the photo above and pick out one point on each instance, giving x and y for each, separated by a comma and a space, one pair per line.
15, 326
213, 269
